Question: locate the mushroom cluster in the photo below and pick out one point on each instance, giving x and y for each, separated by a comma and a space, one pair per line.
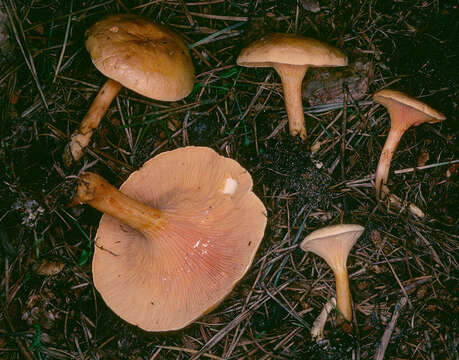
184, 229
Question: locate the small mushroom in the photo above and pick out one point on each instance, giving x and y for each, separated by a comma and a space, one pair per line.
291, 55
404, 112
333, 244
175, 238
145, 57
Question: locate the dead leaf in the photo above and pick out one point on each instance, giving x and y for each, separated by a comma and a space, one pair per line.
423, 158
452, 170
310, 5
375, 236
315, 147
49, 268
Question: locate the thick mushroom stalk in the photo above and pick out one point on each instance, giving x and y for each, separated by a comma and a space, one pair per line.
343, 292
292, 79
404, 112
82, 136
333, 244
97, 192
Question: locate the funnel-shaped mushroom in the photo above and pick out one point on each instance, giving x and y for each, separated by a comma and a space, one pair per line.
176, 238
404, 112
291, 55
142, 56
333, 244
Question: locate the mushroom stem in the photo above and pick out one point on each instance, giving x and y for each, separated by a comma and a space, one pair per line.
317, 330
343, 294
82, 136
292, 79
382, 171
97, 192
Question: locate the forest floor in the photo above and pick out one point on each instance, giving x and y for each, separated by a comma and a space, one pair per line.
49, 306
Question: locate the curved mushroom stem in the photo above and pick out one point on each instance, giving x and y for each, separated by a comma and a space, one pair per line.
317, 330
382, 171
343, 294
82, 136
292, 78
97, 192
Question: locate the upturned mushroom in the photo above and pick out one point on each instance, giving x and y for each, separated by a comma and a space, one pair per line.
175, 238
404, 112
333, 244
291, 55
135, 53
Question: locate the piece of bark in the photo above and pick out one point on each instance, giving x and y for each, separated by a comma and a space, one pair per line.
327, 85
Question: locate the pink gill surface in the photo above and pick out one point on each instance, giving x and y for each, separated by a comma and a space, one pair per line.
205, 247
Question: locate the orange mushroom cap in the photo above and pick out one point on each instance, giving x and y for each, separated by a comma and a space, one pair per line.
290, 49
206, 227
143, 56
400, 104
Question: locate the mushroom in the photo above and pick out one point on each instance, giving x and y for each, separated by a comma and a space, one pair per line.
175, 238
291, 55
404, 112
333, 244
145, 57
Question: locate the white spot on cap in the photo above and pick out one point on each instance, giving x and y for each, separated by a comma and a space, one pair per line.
230, 186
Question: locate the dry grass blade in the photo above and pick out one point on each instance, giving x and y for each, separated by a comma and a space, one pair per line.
67, 32
390, 329
190, 351
241, 317
16, 26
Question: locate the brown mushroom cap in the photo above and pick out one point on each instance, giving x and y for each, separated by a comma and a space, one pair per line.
164, 277
290, 49
333, 243
389, 98
144, 57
